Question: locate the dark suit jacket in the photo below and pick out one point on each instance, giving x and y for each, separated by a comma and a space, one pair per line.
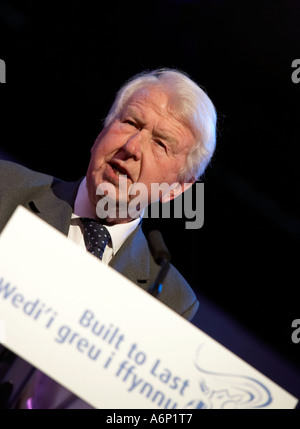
52, 200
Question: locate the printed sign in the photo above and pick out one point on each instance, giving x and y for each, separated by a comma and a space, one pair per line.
107, 340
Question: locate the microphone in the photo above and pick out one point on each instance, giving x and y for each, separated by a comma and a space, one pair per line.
162, 257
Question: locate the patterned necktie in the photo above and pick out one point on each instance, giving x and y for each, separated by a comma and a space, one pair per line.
96, 236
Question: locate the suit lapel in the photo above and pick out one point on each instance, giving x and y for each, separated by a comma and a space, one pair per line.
55, 205
133, 259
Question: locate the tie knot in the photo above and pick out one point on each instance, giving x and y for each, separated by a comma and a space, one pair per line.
96, 236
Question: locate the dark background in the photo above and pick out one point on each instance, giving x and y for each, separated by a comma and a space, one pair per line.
64, 64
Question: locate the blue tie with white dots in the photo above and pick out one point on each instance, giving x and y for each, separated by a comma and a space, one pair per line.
96, 236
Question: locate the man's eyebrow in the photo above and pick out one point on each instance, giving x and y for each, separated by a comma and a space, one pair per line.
172, 140
133, 114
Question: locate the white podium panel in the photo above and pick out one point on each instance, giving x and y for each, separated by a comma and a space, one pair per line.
105, 339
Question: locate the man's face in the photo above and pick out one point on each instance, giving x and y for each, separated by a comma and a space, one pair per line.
145, 143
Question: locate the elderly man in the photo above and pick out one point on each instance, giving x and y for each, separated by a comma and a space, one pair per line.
160, 129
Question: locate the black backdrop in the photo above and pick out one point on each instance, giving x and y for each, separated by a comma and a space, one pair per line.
64, 64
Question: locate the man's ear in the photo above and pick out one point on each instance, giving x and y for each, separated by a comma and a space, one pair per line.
176, 190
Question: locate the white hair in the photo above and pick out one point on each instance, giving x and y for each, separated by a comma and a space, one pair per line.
189, 104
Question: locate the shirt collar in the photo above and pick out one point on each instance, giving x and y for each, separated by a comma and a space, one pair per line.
118, 232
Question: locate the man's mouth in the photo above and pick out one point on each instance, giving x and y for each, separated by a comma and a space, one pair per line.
118, 169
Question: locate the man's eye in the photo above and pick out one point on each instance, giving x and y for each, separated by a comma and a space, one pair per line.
129, 122
160, 143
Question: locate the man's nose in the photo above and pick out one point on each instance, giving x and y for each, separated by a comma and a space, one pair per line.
132, 147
